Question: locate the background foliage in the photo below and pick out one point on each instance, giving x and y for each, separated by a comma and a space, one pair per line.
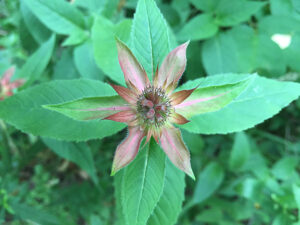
249, 177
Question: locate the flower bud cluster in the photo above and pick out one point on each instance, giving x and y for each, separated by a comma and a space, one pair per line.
153, 107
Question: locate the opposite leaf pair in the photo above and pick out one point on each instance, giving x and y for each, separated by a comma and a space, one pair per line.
151, 109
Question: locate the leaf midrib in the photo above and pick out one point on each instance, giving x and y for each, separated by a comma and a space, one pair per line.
143, 183
61, 15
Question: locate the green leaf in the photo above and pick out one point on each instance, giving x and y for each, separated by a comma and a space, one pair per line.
141, 184
278, 24
206, 5
89, 108
262, 99
85, 62
199, 28
24, 110
37, 62
170, 202
58, 15
39, 32
240, 151
284, 169
64, 67
285, 7
75, 38
209, 181
105, 48
29, 213
210, 99
95, 220
150, 36
236, 12
242, 50
92, 5
79, 153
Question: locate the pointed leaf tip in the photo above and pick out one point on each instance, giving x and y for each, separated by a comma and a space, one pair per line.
172, 67
174, 147
127, 150
132, 70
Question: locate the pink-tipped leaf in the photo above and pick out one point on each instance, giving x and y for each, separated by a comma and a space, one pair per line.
127, 94
172, 144
5, 80
133, 71
124, 116
180, 96
91, 108
210, 99
128, 149
172, 67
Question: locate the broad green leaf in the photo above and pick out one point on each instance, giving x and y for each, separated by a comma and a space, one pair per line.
79, 153
206, 5
208, 182
141, 185
170, 202
92, 5
58, 15
262, 99
36, 215
240, 151
288, 26
90, 108
236, 12
85, 62
213, 215
284, 169
279, 24
39, 32
64, 67
210, 99
199, 28
285, 7
31, 117
37, 62
105, 47
296, 5
111, 8
150, 36
95, 220
76, 37
242, 50
182, 8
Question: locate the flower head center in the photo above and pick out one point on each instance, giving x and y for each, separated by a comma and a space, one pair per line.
153, 106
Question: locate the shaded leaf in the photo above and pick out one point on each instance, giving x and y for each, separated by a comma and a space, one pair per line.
79, 153
208, 182
199, 28
31, 117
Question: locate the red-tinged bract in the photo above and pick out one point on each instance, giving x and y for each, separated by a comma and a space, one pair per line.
6, 86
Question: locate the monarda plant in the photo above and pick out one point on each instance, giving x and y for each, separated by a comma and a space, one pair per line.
149, 187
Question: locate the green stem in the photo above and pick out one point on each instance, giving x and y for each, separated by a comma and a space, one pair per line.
10, 142
4, 148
